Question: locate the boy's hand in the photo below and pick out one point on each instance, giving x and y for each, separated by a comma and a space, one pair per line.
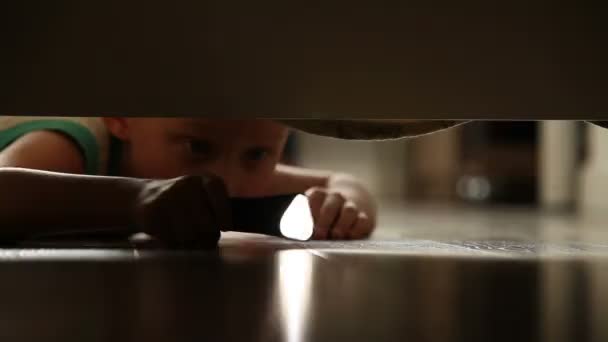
184, 212
336, 217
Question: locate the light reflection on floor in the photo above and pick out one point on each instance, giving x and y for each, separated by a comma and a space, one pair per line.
295, 279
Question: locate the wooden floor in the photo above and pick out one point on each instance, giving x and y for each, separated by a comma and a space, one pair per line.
428, 274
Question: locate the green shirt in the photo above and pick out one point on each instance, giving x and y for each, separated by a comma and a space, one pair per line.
88, 133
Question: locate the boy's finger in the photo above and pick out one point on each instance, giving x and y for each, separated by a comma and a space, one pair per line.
329, 213
316, 197
361, 228
348, 217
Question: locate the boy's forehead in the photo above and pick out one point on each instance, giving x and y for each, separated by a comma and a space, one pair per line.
229, 124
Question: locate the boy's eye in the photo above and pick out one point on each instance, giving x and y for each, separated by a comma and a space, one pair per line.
199, 147
257, 154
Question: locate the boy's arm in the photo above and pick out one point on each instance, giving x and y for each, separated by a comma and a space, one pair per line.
186, 211
44, 150
34, 201
341, 205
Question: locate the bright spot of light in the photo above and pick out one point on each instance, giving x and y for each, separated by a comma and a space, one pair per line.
297, 222
295, 279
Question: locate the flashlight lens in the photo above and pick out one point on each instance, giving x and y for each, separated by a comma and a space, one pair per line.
297, 223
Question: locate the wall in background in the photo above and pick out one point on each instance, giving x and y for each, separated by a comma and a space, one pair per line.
379, 164
559, 164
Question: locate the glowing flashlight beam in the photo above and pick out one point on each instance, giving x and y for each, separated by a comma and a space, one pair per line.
297, 222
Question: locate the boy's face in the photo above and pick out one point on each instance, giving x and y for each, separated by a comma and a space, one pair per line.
243, 153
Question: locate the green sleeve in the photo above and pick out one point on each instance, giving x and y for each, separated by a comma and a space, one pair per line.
80, 134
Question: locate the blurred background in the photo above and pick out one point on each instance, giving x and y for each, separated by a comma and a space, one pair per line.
557, 167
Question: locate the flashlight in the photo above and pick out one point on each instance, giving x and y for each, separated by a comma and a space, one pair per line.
286, 216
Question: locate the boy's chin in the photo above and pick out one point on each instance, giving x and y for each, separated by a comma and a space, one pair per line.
372, 129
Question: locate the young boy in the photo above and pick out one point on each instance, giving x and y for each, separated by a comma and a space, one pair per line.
168, 177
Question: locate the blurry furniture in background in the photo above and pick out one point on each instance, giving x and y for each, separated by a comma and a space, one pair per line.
594, 175
525, 163
499, 163
480, 162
